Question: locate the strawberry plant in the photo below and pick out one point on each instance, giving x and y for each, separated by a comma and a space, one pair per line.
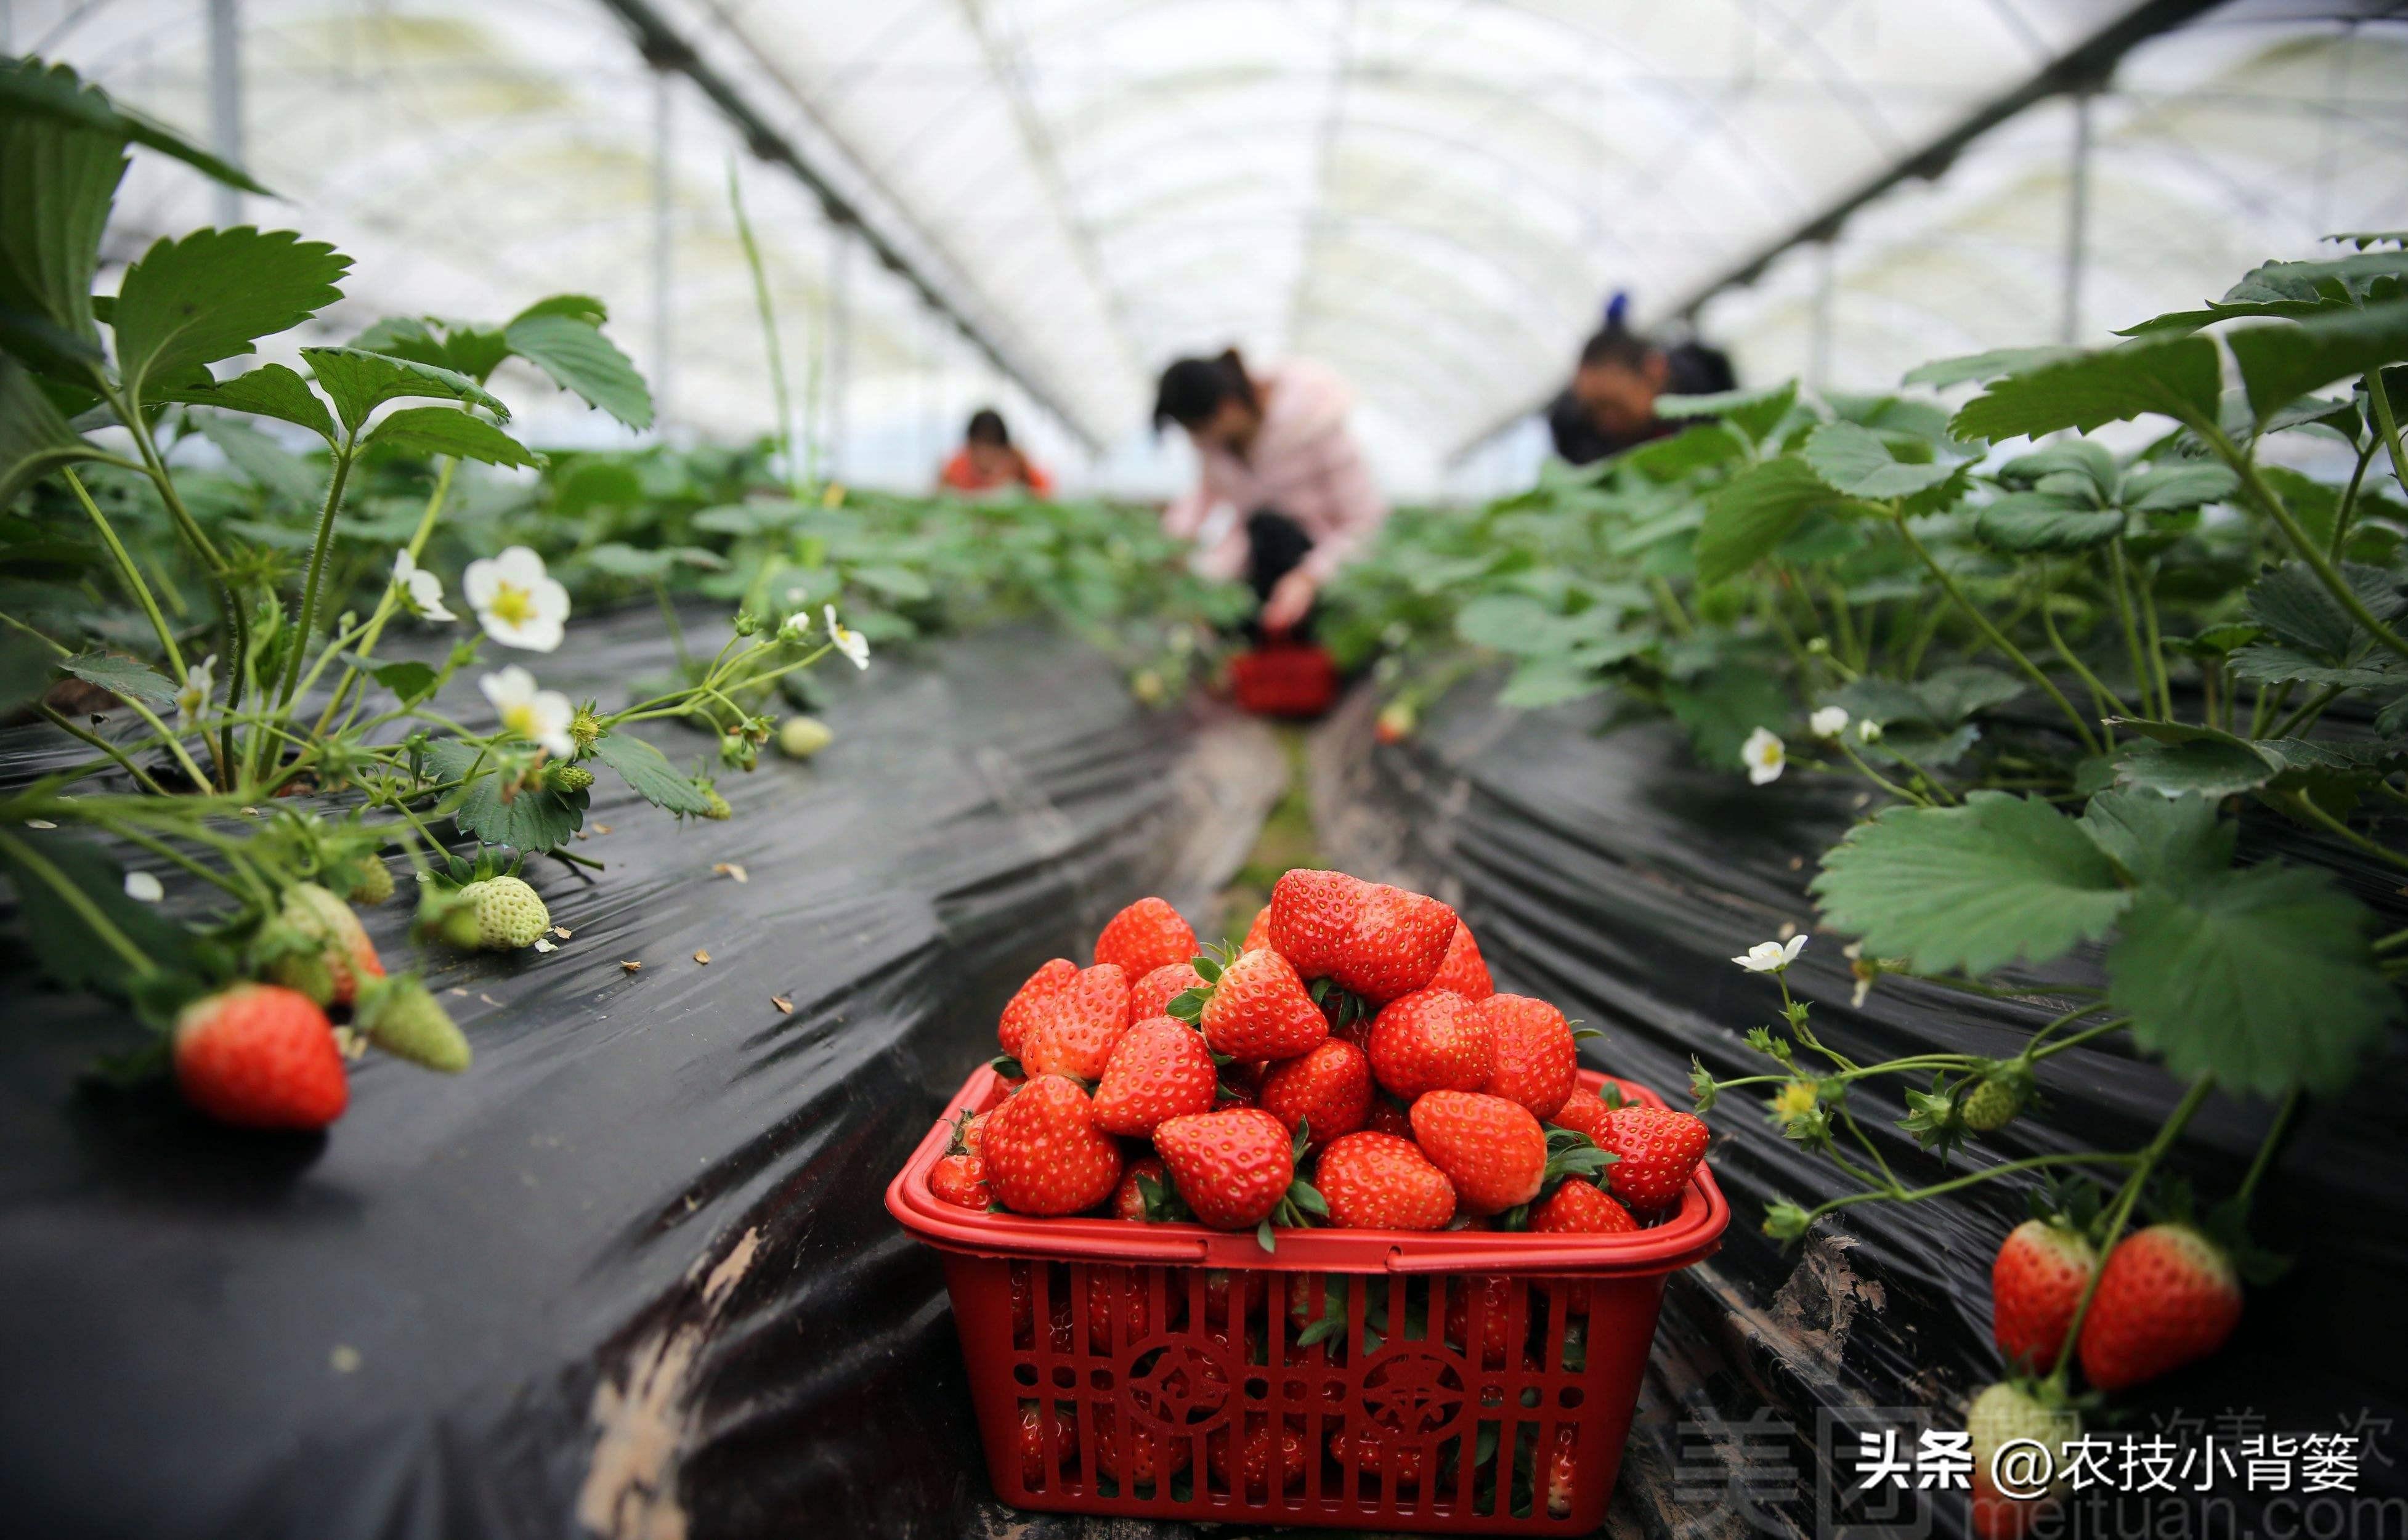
238, 618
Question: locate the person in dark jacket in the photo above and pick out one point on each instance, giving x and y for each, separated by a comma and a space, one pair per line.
1609, 405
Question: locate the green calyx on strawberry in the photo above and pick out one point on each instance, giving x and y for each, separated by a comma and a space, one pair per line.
1252, 1005
1237, 1170
401, 1017
1573, 1159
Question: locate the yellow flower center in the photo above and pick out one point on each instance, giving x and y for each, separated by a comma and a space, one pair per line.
520, 719
512, 605
1795, 1099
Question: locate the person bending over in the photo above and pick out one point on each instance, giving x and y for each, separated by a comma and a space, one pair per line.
988, 460
1282, 497
1610, 404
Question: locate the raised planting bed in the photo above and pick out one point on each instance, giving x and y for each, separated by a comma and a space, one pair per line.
1601, 869
630, 1273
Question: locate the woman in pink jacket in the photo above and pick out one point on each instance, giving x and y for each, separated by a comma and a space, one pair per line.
1283, 497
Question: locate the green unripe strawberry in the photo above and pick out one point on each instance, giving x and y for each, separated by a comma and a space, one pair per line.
509, 914
330, 957
718, 810
801, 737
371, 883
2007, 1412
450, 915
1993, 1105
569, 778
400, 1017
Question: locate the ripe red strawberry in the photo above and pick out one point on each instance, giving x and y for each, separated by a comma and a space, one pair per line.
1495, 1318
260, 1056
1396, 944
1328, 1091
1359, 1446
1579, 1208
1430, 1041
1160, 1069
1042, 986
1492, 1149
1659, 1150
1151, 995
1118, 1311
1257, 1009
1044, 1154
1583, 1112
1128, 1198
1074, 1031
1147, 935
1041, 1456
1534, 1057
1147, 1454
973, 1135
1462, 968
960, 1176
1311, 919
1258, 934
2168, 1296
1563, 1471
961, 1179
1252, 1475
1377, 1181
1234, 1168
2037, 1280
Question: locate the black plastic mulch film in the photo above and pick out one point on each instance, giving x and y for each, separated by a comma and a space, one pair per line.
1603, 870
631, 1273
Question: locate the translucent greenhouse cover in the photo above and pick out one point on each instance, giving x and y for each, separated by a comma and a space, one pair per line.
1434, 198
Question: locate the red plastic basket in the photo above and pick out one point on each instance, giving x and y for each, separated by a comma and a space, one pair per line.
1160, 1368
1285, 679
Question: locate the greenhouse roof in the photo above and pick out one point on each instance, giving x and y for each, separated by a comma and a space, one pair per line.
1432, 196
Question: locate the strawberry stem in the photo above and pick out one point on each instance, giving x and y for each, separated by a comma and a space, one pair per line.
2119, 1216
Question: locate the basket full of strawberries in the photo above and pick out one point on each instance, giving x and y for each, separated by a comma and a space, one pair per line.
1319, 1228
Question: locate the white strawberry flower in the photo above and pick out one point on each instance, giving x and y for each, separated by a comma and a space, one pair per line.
1830, 722
852, 643
539, 716
795, 627
1772, 956
1868, 732
143, 887
200, 682
1764, 754
422, 591
516, 601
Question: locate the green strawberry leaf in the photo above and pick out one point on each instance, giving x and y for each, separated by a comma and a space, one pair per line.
2170, 842
648, 771
571, 350
2179, 378
359, 382
2282, 362
210, 296
1974, 887
30, 89
1750, 515
270, 390
449, 430
1860, 463
72, 902
124, 677
35, 437
2044, 521
1973, 368
2261, 977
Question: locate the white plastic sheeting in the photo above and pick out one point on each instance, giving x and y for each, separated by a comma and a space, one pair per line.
1434, 196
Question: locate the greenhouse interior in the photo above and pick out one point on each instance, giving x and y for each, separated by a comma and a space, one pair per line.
1403, 767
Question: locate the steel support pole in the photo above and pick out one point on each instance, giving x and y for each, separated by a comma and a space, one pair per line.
1818, 343
839, 349
2077, 222
663, 248
225, 102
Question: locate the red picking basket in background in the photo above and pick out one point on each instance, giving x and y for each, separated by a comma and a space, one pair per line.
1282, 678
1459, 1382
